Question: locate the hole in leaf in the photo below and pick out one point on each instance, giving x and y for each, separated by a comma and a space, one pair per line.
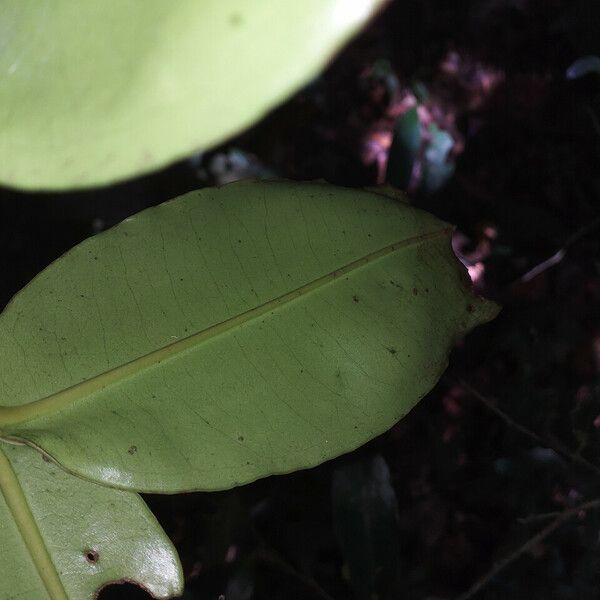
123, 591
91, 556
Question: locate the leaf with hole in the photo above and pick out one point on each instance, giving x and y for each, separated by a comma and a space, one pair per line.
231, 334
94, 92
63, 537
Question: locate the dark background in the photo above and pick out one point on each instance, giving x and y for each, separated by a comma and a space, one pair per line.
426, 509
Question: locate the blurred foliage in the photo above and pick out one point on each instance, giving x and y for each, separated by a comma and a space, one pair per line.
584, 66
420, 155
468, 488
365, 518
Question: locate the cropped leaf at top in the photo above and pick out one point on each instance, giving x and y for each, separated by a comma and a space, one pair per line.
94, 92
63, 537
231, 334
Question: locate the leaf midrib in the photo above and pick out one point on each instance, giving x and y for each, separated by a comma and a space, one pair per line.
13, 415
13, 493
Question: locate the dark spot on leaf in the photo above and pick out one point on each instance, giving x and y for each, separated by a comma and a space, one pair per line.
355, 298
236, 20
146, 157
132, 450
415, 291
392, 350
91, 556
45, 458
427, 290
470, 308
240, 438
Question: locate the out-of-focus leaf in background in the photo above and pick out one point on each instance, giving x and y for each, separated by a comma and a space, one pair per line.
365, 516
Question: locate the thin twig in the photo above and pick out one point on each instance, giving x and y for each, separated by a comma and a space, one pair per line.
555, 445
561, 253
273, 559
537, 518
528, 545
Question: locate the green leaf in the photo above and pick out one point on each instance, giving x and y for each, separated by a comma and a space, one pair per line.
231, 334
63, 537
94, 92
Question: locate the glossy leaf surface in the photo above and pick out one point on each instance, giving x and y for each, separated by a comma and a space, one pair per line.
63, 537
233, 333
93, 92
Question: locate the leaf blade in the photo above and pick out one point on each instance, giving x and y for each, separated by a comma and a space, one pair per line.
287, 389
74, 558
96, 92
28, 531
